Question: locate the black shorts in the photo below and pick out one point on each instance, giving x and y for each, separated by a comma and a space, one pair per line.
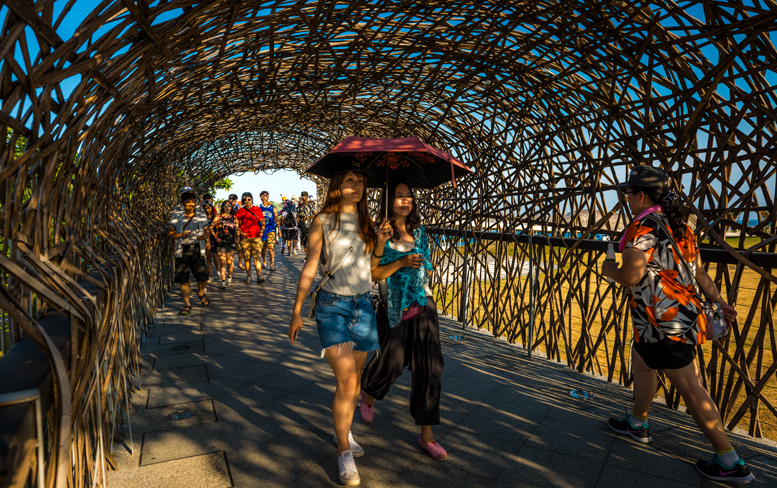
191, 261
304, 233
666, 354
290, 234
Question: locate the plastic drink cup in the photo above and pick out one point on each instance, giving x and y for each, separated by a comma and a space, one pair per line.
610, 258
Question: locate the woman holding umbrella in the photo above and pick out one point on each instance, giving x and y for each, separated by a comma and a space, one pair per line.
344, 234
408, 325
405, 301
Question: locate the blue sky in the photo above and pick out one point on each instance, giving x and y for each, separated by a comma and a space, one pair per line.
282, 182
285, 182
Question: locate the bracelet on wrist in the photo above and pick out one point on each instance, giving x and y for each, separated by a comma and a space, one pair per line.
376, 256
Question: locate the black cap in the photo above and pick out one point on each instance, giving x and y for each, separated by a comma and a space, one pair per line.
644, 176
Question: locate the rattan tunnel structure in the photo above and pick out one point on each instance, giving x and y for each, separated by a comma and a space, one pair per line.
111, 107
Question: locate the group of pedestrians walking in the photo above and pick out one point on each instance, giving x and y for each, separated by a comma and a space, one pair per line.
295, 220
354, 252
404, 330
207, 238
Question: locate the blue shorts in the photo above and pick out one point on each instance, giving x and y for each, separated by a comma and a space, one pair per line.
346, 320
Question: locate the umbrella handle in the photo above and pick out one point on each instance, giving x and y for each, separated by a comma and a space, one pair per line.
387, 192
385, 217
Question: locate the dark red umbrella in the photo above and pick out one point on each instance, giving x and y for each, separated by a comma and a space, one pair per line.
409, 158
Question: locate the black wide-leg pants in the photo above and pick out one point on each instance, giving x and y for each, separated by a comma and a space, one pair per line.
414, 342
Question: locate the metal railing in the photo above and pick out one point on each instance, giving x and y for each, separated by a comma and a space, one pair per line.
532, 288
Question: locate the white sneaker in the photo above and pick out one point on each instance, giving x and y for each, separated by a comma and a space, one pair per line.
223, 284
229, 280
357, 450
349, 475
295, 252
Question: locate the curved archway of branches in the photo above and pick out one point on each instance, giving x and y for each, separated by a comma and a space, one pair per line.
550, 102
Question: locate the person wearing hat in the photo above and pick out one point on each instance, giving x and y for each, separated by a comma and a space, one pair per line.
189, 227
289, 225
251, 228
305, 213
667, 316
294, 234
281, 229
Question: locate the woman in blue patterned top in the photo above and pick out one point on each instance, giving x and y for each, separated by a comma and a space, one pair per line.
408, 327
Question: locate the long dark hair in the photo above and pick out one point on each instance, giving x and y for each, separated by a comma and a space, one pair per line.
210, 211
333, 204
224, 204
412, 221
675, 212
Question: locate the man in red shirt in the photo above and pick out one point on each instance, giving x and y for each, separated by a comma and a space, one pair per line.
251, 229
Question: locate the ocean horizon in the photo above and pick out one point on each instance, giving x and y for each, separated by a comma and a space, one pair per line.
750, 223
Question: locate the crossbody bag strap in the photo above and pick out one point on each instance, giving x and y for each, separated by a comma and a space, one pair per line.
330, 274
188, 221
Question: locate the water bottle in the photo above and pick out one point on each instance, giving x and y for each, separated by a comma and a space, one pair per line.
610, 258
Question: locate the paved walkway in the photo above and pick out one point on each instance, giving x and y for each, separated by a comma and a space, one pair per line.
262, 412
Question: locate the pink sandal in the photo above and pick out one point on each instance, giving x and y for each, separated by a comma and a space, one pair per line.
435, 450
367, 411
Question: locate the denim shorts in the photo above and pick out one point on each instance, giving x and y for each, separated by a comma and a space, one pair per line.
346, 320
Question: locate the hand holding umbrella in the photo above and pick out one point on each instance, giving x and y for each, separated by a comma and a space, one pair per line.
384, 234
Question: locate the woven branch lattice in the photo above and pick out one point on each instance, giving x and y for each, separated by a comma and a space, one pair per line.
551, 103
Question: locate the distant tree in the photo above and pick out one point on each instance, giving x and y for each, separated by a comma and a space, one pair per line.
18, 149
21, 141
225, 184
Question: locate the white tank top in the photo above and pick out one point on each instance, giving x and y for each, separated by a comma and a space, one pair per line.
354, 277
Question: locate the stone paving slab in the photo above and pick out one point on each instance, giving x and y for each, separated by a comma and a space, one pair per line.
155, 419
533, 466
177, 349
167, 337
177, 376
177, 361
163, 396
506, 420
179, 329
212, 472
640, 460
181, 443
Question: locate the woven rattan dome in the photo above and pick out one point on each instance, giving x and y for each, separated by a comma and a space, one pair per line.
550, 103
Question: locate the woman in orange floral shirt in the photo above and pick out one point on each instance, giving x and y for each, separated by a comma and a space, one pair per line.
667, 316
